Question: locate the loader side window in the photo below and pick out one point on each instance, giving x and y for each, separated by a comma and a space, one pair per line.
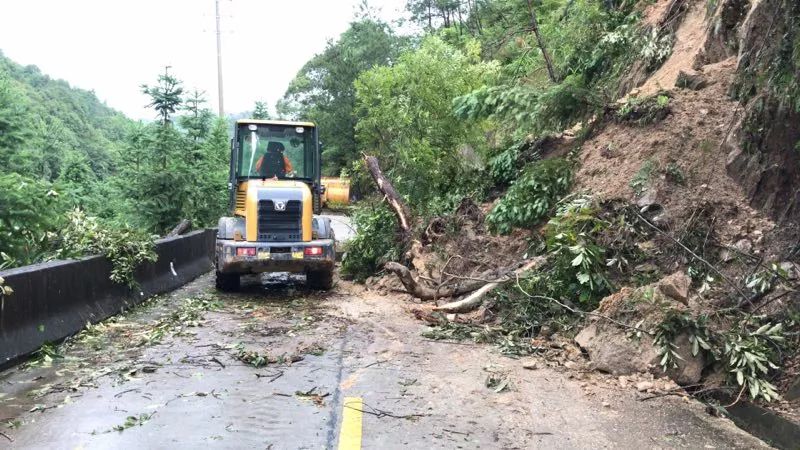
264, 148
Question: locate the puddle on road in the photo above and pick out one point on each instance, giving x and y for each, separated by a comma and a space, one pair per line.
173, 367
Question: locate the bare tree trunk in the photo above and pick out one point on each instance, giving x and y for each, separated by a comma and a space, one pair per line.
551, 72
475, 299
425, 293
400, 208
180, 228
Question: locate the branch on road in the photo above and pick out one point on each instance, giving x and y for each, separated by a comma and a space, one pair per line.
423, 292
475, 299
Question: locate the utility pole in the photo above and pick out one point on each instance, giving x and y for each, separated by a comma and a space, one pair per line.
219, 63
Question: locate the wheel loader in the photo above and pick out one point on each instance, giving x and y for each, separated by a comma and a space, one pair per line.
275, 196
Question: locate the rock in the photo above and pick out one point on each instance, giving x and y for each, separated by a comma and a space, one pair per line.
530, 365
606, 405
648, 199
570, 364
623, 382
793, 393
743, 245
691, 80
790, 268
615, 350
644, 386
676, 287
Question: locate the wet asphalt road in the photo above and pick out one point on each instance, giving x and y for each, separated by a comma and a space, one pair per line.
185, 371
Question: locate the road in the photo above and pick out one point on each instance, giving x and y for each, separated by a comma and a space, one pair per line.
277, 366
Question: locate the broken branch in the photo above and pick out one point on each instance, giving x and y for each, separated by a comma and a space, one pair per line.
180, 228
400, 208
476, 298
424, 292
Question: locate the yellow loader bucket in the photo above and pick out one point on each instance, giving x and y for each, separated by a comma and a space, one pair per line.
337, 191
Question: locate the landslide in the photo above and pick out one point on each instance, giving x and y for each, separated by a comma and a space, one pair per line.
697, 161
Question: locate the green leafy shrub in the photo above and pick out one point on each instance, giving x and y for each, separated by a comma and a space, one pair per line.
532, 196
28, 213
578, 267
641, 180
745, 354
503, 166
645, 110
125, 247
675, 174
374, 242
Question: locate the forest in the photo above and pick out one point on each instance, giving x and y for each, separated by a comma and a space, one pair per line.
77, 177
509, 128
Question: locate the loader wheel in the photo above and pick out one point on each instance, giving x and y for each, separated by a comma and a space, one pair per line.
320, 279
228, 282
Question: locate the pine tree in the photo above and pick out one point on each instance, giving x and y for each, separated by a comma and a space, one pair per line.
261, 111
165, 95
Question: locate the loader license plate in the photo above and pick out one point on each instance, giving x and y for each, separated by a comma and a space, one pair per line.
263, 255
297, 255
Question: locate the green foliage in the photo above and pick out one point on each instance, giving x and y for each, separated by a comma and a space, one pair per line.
28, 213
406, 118
764, 280
746, 353
42, 120
551, 109
503, 167
675, 324
578, 263
674, 173
261, 111
324, 92
125, 247
374, 242
165, 96
532, 196
748, 357
645, 110
641, 180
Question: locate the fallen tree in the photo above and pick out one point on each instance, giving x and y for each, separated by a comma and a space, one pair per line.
475, 299
423, 292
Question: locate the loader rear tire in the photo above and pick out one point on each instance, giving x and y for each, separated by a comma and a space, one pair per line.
320, 279
228, 282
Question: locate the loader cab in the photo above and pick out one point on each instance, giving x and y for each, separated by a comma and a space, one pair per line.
270, 149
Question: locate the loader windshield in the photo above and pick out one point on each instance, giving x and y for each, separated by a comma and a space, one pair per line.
275, 151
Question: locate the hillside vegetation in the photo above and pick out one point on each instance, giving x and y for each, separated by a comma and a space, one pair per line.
77, 176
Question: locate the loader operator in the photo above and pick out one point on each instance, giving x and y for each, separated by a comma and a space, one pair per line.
273, 163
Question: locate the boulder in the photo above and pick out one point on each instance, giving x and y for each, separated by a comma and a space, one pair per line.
623, 351
676, 287
691, 80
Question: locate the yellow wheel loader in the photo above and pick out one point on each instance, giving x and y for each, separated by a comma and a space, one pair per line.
275, 192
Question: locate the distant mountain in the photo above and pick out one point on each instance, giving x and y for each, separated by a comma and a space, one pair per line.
56, 120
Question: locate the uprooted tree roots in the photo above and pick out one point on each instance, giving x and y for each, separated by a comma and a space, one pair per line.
455, 286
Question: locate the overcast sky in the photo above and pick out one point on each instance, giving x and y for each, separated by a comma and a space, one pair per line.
113, 46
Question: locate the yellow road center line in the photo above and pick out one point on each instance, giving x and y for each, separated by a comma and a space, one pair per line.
350, 434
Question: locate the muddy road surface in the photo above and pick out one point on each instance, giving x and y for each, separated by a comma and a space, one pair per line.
279, 367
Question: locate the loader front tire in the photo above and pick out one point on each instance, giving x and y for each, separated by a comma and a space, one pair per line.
228, 282
320, 279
